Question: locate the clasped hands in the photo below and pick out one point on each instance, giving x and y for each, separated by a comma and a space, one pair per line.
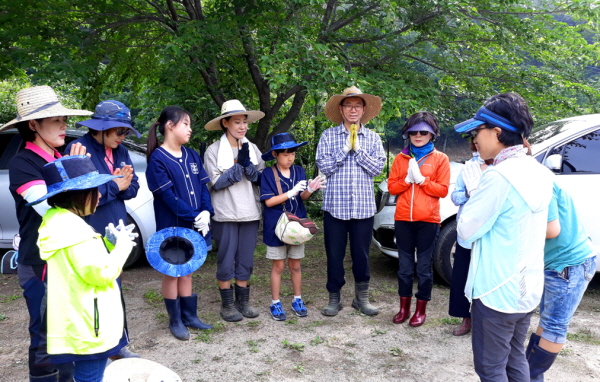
414, 173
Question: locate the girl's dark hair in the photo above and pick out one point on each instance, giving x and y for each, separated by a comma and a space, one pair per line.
169, 113
514, 108
26, 133
421, 116
75, 200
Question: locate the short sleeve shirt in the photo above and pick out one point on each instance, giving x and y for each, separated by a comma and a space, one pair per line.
295, 205
187, 178
25, 170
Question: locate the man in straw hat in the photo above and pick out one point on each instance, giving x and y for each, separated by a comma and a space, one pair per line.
42, 123
351, 156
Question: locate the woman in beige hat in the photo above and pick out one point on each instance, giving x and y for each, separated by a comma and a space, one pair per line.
234, 166
42, 123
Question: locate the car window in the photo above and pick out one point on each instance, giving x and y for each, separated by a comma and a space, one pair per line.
580, 155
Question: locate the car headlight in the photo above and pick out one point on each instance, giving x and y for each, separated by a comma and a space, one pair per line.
391, 200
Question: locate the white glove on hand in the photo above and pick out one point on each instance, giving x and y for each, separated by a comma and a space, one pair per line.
317, 183
202, 222
471, 174
415, 172
120, 232
347, 145
299, 187
409, 178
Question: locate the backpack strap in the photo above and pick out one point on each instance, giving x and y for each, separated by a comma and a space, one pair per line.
278, 183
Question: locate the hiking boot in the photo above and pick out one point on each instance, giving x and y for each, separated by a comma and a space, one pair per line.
277, 312
299, 308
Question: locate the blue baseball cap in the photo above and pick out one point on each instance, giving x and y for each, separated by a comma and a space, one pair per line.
71, 173
108, 115
176, 251
482, 116
281, 142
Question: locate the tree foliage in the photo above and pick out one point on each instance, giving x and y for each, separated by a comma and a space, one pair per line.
287, 57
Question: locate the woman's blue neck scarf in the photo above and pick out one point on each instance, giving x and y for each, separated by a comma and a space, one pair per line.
420, 152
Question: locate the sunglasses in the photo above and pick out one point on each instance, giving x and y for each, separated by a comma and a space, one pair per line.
123, 131
476, 131
414, 133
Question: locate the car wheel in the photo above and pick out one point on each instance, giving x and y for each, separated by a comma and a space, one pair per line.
444, 251
138, 250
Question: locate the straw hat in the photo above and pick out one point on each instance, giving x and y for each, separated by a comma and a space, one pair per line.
138, 370
231, 108
371, 110
40, 102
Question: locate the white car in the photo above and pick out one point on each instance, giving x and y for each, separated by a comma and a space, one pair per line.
140, 210
569, 147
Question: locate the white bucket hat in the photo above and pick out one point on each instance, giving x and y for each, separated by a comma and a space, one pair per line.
138, 370
371, 110
40, 102
231, 108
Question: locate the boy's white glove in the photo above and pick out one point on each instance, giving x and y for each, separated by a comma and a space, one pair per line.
299, 187
120, 232
471, 175
415, 172
347, 145
317, 183
202, 222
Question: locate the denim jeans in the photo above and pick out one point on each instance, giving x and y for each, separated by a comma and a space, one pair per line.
562, 294
90, 370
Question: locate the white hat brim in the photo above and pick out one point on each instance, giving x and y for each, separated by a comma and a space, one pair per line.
253, 116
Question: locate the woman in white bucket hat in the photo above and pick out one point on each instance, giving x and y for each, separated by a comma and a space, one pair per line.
234, 165
42, 123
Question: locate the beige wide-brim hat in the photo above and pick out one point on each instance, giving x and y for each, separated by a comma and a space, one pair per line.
231, 108
40, 102
138, 370
371, 110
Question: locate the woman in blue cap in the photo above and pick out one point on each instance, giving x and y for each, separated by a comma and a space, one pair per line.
108, 127
84, 312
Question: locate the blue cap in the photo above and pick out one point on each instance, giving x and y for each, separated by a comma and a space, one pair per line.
71, 173
482, 116
176, 251
108, 115
281, 142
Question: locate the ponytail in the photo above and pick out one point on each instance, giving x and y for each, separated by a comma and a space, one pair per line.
169, 113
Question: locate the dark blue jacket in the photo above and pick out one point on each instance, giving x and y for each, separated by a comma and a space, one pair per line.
112, 203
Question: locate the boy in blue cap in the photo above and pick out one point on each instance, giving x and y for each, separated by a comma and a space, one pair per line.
294, 189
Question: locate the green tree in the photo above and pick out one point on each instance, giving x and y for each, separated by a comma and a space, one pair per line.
280, 56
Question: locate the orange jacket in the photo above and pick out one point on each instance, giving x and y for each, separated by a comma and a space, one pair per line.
420, 202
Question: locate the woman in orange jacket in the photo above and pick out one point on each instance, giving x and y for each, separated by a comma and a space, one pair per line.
420, 177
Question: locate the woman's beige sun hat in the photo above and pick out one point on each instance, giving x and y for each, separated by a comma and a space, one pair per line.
40, 102
231, 108
371, 110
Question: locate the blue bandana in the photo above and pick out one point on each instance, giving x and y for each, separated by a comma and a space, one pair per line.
420, 152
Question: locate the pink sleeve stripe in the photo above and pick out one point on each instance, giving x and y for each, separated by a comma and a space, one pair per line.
28, 185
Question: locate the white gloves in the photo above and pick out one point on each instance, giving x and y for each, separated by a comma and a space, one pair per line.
299, 187
414, 172
347, 145
471, 174
120, 232
317, 183
202, 222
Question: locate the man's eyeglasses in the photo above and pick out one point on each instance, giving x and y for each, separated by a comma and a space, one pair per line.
355, 107
123, 131
414, 133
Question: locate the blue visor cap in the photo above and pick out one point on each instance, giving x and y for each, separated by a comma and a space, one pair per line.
108, 115
176, 251
482, 116
281, 141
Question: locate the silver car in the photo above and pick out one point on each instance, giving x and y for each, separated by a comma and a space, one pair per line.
140, 210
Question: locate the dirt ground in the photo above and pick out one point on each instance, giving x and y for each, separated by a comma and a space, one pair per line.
348, 347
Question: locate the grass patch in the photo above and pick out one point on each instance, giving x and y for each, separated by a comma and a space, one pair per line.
299, 368
253, 324
3, 317
584, 335
162, 317
206, 335
291, 321
253, 346
318, 340
153, 298
6, 299
299, 347
451, 321
377, 332
396, 352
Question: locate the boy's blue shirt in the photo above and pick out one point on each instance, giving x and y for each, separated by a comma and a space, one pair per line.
295, 205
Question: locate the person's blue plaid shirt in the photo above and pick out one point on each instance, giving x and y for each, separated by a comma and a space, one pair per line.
349, 193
